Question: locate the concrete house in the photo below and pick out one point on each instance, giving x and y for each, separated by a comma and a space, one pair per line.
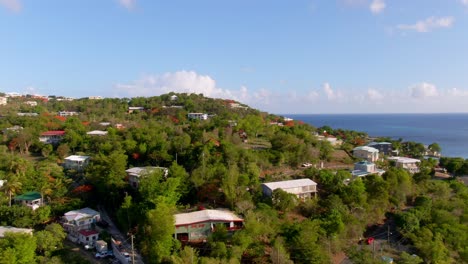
88, 237
409, 164
364, 168
3, 100
134, 174
199, 116
302, 188
97, 133
52, 137
197, 226
366, 153
132, 109
384, 147
30, 199
82, 219
76, 162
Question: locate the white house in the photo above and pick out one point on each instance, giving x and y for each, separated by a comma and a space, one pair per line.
409, 164
365, 152
364, 168
199, 116
302, 188
88, 237
82, 219
333, 140
76, 162
67, 113
134, 174
32, 200
132, 109
3, 100
31, 103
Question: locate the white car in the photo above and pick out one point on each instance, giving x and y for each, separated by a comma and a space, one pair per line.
306, 165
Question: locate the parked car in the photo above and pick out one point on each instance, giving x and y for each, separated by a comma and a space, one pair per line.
88, 247
127, 256
105, 254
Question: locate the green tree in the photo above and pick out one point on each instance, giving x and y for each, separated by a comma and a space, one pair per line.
17, 248
158, 232
50, 239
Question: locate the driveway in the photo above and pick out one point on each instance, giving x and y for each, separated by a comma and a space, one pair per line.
117, 235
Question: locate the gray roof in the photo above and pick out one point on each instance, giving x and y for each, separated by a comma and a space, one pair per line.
205, 216
289, 184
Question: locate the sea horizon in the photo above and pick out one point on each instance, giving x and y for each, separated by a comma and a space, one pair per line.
449, 130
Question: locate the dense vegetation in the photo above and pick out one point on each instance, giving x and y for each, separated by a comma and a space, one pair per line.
220, 162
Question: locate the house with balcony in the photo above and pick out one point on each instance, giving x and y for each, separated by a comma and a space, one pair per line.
197, 226
302, 188
366, 153
364, 168
384, 147
198, 116
75, 221
409, 164
134, 174
76, 162
32, 200
52, 137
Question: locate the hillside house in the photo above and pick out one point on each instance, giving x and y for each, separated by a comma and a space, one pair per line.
88, 237
198, 116
67, 113
132, 109
197, 226
3, 100
364, 168
135, 174
367, 153
82, 219
32, 200
409, 164
52, 137
333, 140
76, 162
302, 188
31, 103
384, 147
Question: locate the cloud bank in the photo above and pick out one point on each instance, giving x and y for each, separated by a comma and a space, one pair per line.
428, 25
128, 4
12, 5
377, 6
419, 97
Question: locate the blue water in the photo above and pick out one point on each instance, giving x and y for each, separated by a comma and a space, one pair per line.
450, 131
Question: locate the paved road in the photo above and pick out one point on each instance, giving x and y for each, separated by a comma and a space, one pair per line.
117, 235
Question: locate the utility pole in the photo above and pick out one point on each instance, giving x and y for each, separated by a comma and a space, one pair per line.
133, 251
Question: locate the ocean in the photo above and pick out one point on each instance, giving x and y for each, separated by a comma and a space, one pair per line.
450, 131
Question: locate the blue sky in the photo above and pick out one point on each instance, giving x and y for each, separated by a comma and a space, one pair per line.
281, 56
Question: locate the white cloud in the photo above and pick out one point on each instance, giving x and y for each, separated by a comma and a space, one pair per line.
12, 5
377, 6
423, 90
129, 4
186, 82
328, 91
455, 92
428, 24
374, 95
464, 2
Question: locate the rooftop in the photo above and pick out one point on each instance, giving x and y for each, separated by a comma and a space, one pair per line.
97, 133
137, 171
88, 232
80, 214
289, 184
206, 215
53, 133
404, 160
77, 158
366, 148
378, 143
29, 196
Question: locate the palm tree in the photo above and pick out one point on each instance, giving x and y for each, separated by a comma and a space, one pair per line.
12, 186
